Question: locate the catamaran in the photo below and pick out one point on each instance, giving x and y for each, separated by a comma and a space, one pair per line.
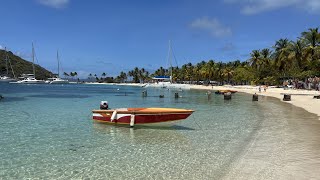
31, 78
28, 79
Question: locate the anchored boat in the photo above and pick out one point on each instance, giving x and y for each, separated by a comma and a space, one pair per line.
30, 78
141, 116
225, 91
57, 80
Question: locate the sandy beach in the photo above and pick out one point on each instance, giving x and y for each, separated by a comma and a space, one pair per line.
303, 99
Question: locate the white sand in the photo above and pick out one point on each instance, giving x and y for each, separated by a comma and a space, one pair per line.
304, 100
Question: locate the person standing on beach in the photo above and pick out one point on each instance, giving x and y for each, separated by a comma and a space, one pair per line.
259, 89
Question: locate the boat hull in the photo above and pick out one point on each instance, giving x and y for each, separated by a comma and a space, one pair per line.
7, 80
225, 91
142, 116
30, 82
59, 82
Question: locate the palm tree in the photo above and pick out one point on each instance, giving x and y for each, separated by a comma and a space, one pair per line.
134, 74
103, 75
188, 72
75, 74
90, 76
236, 63
176, 75
207, 70
312, 38
219, 71
266, 57
282, 54
160, 72
122, 76
148, 75
141, 74
255, 59
204, 72
72, 74
65, 74
130, 73
243, 74
297, 54
196, 72
228, 73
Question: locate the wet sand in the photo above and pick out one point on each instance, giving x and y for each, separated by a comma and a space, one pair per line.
280, 148
304, 100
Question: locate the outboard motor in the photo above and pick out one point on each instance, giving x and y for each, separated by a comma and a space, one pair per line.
104, 105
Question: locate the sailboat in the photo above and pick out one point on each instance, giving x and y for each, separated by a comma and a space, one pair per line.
166, 81
7, 78
58, 80
31, 78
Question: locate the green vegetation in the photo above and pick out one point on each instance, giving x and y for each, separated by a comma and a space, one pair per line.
21, 66
297, 59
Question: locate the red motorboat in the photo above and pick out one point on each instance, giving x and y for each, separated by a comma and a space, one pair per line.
141, 116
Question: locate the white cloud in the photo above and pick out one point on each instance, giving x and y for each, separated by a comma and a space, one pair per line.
258, 6
1, 47
58, 4
313, 5
212, 26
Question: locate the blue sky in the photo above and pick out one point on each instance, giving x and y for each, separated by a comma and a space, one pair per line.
117, 35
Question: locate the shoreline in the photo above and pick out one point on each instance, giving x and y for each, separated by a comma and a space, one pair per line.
304, 100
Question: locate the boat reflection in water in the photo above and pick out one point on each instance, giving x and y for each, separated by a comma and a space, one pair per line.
174, 135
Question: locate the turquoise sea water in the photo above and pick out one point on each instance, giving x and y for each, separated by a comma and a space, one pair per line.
46, 132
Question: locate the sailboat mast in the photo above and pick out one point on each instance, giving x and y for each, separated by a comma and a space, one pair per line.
58, 63
34, 71
170, 60
6, 59
8, 62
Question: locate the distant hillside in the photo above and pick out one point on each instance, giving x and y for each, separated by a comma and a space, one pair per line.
21, 66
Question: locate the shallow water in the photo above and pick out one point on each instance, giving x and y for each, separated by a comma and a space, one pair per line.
46, 132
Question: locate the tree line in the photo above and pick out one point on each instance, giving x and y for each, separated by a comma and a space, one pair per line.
287, 59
